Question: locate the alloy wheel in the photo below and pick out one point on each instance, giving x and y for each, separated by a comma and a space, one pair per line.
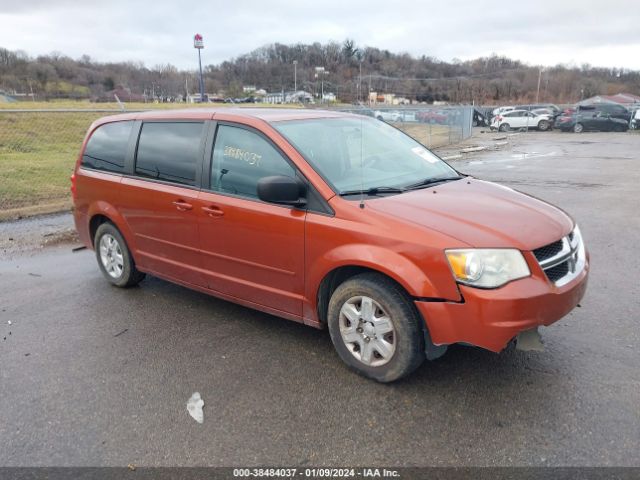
367, 331
111, 255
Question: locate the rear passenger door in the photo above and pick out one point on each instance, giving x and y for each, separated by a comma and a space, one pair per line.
252, 250
158, 201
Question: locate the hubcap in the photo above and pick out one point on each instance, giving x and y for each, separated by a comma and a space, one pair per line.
111, 256
367, 331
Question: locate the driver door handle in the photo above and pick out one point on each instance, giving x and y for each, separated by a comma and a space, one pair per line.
213, 211
182, 205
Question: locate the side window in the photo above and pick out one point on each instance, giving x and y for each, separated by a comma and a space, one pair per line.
107, 147
169, 151
241, 158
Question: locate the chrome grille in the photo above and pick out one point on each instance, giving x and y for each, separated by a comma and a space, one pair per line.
563, 259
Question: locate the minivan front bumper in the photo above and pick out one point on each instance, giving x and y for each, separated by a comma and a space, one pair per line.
491, 318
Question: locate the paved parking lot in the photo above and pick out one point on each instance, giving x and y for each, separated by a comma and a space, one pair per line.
94, 375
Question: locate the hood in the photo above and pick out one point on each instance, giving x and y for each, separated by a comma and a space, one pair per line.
480, 214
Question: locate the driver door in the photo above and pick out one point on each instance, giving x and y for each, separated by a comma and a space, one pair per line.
252, 250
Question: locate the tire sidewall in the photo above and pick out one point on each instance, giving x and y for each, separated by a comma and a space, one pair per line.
409, 343
127, 270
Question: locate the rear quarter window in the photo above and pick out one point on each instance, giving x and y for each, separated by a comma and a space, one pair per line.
169, 151
107, 147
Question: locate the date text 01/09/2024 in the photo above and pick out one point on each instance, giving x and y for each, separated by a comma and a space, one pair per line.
315, 472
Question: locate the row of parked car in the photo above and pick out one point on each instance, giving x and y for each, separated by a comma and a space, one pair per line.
604, 117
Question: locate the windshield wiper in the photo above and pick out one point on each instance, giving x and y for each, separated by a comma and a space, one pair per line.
373, 191
431, 181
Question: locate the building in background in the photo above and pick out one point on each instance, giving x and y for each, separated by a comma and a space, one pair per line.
625, 99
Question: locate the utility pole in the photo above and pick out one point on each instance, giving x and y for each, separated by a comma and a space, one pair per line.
295, 76
198, 44
360, 84
538, 91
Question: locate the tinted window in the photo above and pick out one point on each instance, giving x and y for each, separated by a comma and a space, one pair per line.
169, 151
241, 158
107, 147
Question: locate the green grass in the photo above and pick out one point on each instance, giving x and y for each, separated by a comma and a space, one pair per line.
37, 155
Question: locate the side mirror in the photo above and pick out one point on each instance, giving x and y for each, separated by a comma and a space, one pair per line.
282, 190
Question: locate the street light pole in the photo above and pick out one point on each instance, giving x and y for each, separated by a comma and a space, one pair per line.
198, 44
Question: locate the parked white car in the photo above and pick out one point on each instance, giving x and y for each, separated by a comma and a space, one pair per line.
395, 116
521, 119
499, 110
635, 120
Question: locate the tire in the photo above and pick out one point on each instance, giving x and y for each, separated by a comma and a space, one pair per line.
543, 125
474, 123
578, 128
397, 333
505, 127
114, 259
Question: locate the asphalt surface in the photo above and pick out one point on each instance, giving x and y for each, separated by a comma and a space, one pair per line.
93, 375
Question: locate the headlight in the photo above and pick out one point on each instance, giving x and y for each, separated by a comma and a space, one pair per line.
487, 268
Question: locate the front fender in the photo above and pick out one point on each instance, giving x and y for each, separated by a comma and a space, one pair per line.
416, 280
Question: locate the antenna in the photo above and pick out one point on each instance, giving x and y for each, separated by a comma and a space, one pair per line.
361, 161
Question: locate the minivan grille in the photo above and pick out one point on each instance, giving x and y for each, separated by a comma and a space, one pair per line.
548, 251
556, 273
563, 259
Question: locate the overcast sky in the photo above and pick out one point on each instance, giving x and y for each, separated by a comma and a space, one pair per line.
601, 33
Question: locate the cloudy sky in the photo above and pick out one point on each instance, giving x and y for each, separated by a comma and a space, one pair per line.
539, 32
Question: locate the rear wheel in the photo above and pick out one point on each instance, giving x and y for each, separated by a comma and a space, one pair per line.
578, 128
114, 258
504, 127
375, 328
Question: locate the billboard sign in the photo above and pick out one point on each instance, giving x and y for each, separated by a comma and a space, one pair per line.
198, 41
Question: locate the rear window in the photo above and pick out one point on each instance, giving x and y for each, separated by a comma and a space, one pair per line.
169, 151
107, 147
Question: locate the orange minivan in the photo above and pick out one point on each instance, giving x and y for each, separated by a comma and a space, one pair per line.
330, 219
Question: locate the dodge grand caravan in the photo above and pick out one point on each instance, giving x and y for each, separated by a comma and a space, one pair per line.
329, 219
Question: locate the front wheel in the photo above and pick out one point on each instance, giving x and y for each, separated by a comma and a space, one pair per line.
375, 328
114, 258
578, 128
543, 125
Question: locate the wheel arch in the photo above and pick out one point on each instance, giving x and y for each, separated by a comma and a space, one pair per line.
101, 212
411, 279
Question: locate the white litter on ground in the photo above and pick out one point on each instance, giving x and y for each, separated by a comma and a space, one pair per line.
194, 407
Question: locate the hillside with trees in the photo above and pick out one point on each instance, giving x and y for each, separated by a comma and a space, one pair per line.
352, 71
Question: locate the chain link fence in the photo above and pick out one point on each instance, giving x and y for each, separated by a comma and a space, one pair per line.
433, 126
38, 148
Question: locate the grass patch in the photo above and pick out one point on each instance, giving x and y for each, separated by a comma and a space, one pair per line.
37, 155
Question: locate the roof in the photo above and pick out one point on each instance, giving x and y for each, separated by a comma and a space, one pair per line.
620, 98
266, 114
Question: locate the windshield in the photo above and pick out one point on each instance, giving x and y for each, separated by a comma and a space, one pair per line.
362, 153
